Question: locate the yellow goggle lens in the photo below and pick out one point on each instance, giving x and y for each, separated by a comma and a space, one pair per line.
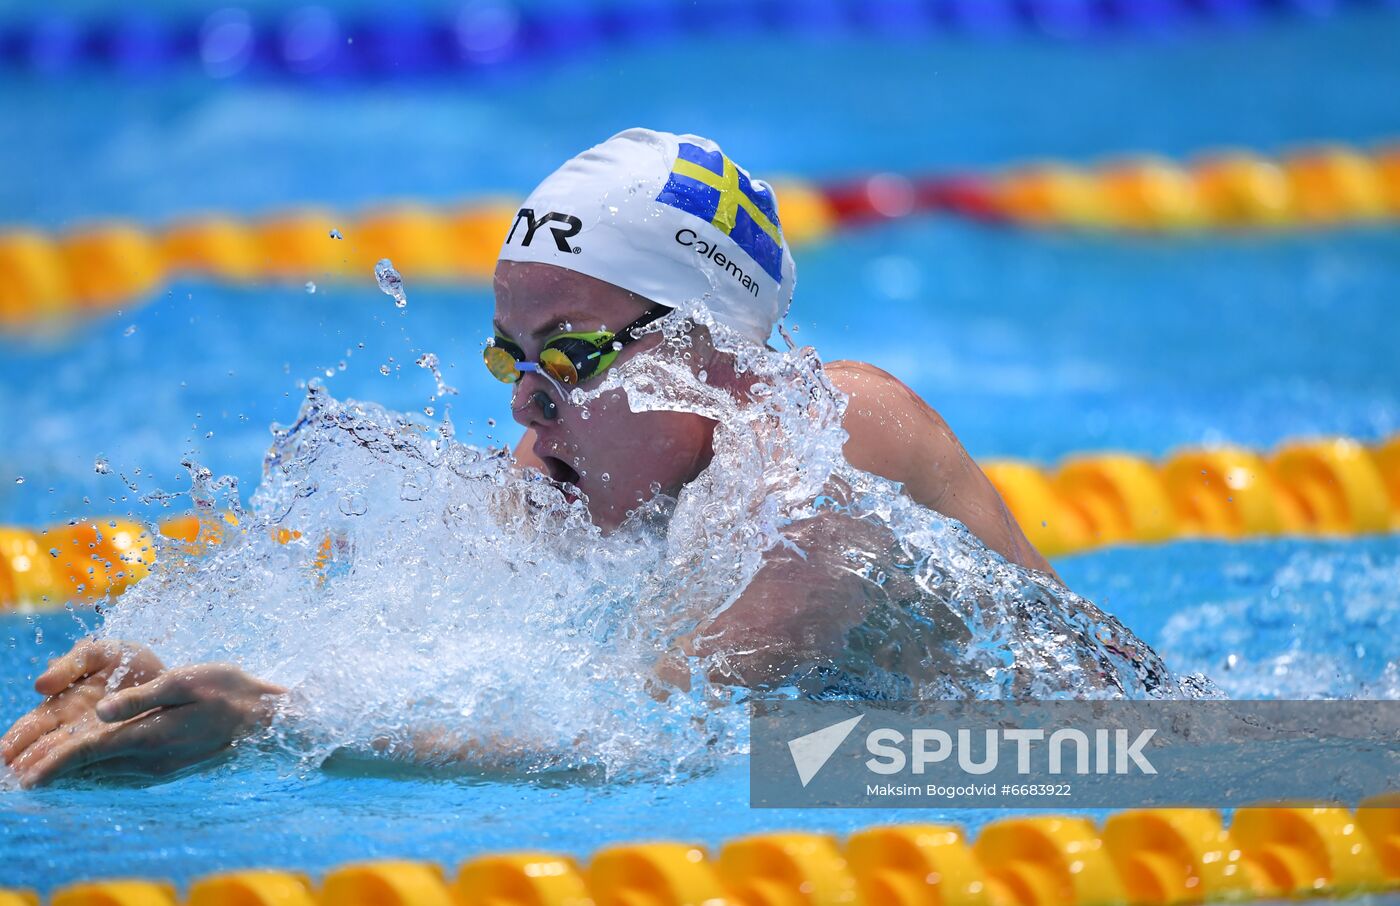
559, 366
501, 364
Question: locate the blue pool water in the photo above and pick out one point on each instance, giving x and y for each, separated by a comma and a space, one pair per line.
1030, 345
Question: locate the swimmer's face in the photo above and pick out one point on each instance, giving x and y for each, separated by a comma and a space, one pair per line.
615, 456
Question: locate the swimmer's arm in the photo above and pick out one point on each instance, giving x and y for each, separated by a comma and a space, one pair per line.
439, 747
895, 434
796, 611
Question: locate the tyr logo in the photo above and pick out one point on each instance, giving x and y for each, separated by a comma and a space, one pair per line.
561, 233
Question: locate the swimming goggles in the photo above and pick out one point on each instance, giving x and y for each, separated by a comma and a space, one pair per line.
569, 357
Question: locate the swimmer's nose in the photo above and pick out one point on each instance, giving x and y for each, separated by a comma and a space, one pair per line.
531, 402
547, 407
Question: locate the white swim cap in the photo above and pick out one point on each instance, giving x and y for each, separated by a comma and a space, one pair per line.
668, 217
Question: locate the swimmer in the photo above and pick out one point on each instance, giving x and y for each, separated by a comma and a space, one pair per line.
606, 247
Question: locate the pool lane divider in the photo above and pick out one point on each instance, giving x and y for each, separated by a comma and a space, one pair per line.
48, 279
1329, 487
1159, 857
474, 43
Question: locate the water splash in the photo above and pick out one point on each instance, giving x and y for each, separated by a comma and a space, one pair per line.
1322, 624
424, 597
418, 595
948, 618
390, 282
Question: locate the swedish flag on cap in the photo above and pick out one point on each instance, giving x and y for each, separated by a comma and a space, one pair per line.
709, 185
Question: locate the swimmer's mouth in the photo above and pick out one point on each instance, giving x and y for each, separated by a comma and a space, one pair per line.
559, 471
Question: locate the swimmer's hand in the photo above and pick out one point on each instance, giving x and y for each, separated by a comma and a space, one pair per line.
73, 684
158, 721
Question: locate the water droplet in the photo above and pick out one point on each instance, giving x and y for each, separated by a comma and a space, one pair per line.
335, 234
131, 329
390, 282
429, 361
583, 414
490, 423
703, 375
384, 370
353, 504
428, 410
53, 552
19, 479
605, 477
310, 287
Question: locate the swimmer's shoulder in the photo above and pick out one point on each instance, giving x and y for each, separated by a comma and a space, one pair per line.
876, 389
896, 434
893, 431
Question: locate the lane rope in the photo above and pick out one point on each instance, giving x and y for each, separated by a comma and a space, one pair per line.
52, 278
1330, 487
1145, 857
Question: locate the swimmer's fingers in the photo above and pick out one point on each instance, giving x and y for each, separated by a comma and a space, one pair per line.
84, 660
222, 685
89, 658
180, 718
67, 707
29, 728
68, 753
167, 691
146, 739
